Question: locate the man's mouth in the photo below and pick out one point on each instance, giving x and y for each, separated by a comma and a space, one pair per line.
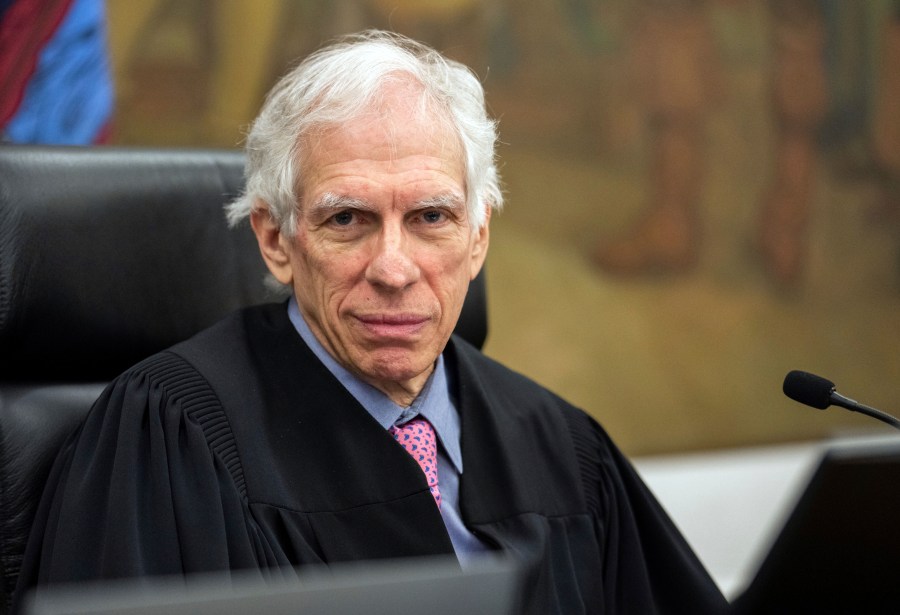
393, 325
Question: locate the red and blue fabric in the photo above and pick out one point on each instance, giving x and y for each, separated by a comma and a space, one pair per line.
55, 84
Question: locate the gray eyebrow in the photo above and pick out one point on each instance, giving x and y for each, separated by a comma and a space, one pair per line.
332, 201
449, 201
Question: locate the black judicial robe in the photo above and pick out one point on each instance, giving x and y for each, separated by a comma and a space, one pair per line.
239, 450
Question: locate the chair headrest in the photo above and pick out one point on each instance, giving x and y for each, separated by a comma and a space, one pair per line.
108, 255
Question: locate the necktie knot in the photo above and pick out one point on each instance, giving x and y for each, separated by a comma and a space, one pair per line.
417, 438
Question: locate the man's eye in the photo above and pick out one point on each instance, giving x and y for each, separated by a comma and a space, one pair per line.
343, 219
432, 216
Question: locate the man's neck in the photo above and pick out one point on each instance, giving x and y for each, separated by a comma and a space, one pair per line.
401, 393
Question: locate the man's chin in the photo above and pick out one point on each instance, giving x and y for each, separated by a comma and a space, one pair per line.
397, 366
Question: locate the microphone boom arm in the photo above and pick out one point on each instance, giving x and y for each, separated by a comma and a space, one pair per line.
845, 402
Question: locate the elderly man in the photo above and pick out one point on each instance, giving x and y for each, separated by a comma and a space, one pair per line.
280, 436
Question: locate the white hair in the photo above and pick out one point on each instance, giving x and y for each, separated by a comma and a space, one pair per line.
340, 83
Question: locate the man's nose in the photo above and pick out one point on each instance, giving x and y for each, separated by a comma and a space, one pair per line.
392, 265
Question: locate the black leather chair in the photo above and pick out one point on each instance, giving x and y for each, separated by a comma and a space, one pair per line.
108, 255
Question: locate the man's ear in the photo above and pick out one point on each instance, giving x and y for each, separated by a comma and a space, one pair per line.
480, 244
275, 248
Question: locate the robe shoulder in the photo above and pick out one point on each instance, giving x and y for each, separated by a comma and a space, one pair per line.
600, 532
146, 486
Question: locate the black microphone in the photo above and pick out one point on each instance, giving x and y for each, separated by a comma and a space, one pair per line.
820, 393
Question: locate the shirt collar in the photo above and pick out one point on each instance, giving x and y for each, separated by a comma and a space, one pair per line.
433, 402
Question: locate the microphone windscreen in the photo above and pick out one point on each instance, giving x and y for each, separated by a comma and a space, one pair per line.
808, 389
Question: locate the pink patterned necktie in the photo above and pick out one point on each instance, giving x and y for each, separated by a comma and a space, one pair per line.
418, 439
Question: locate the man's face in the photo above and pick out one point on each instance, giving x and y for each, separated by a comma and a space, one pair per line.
383, 251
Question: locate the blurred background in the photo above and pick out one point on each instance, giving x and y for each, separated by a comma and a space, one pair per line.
701, 195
